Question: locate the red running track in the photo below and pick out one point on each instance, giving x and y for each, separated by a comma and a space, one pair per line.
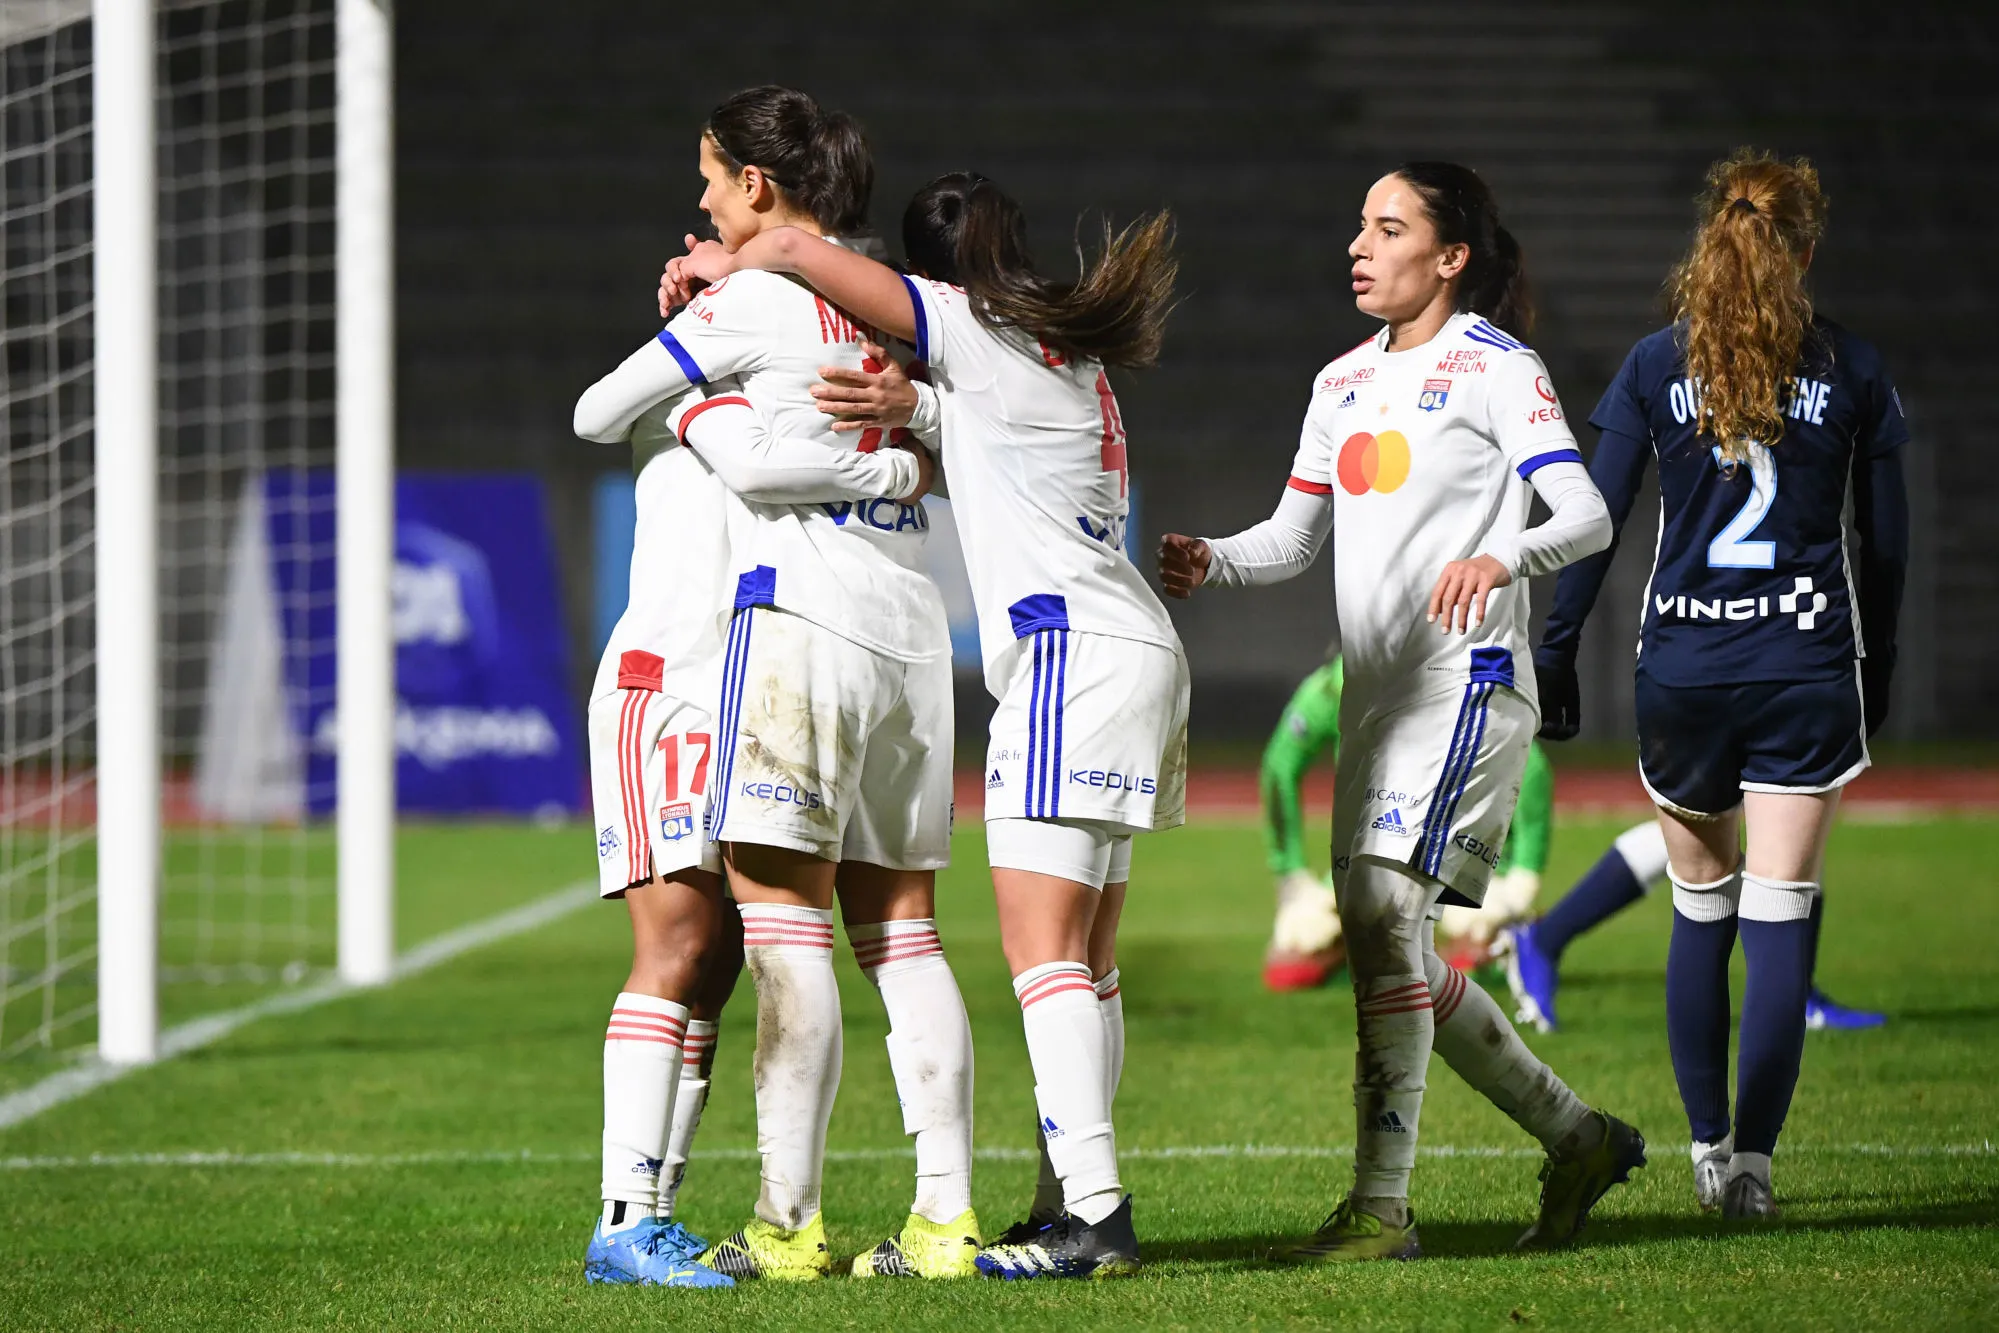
1889, 791
1884, 791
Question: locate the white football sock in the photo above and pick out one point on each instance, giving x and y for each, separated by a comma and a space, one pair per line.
789, 951
1482, 1048
641, 1068
1755, 1164
697, 1060
1066, 1045
930, 1051
1390, 1062
1113, 1010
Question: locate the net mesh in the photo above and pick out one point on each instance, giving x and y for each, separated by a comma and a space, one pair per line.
245, 124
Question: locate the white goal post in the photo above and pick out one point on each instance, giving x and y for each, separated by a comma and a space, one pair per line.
127, 336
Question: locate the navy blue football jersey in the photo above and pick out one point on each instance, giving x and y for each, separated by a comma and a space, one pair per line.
1751, 581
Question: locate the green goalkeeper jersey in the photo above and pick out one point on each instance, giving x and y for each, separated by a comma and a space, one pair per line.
1311, 722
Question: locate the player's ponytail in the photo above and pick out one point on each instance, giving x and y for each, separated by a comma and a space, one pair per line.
964, 229
1464, 212
817, 160
1740, 293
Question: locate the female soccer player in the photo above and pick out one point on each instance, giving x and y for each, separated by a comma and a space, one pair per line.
651, 722
1421, 452
1088, 744
833, 760
1763, 662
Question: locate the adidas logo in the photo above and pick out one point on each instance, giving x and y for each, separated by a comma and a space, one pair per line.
995, 781
1348, 401
1392, 823
1049, 1129
1390, 1123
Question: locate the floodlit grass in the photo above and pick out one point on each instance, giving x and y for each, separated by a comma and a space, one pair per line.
1889, 1194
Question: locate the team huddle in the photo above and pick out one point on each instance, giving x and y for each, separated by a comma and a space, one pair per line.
771, 726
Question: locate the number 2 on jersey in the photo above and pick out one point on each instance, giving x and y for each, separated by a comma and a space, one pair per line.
1731, 548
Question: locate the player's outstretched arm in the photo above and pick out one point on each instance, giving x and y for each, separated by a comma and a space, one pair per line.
871, 292
1283, 546
731, 438
608, 408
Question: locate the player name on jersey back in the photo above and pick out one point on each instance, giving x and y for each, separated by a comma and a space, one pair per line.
1751, 580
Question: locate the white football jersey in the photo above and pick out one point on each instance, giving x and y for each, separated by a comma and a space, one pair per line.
682, 576
1426, 453
855, 567
1035, 452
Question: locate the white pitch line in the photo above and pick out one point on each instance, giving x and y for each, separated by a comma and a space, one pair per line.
90, 1073
1216, 1150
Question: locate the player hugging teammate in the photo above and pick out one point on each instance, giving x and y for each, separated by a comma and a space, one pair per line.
822, 694
775, 705
1088, 744
1421, 453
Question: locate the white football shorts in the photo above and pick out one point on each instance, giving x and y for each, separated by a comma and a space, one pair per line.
832, 749
652, 765
1432, 783
1091, 727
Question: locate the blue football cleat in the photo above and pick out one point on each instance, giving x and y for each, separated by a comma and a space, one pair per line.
1533, 977
651, 1254
1821, 1012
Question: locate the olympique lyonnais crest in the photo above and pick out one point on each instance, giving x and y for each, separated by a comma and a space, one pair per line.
676, 822
1435, 393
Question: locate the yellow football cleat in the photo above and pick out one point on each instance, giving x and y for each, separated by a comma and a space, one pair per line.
1353, 1235
925, 1249
766, 1251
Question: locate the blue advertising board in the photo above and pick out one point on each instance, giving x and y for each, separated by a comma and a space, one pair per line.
484, 719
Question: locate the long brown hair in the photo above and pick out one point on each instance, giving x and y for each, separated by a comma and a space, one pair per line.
1741, 292
964, 229
1464, 212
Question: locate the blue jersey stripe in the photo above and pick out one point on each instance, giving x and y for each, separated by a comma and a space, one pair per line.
687, 365
922, 320
1061, 702
1529, 466
1464, 777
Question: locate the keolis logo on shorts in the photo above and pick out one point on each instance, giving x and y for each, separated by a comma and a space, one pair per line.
782, 793
1108, 781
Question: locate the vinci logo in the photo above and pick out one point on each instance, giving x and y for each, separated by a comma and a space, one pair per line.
1374, 462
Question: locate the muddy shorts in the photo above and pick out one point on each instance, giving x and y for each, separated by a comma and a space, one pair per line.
830, 748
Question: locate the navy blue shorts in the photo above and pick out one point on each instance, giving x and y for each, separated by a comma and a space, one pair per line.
1701, 746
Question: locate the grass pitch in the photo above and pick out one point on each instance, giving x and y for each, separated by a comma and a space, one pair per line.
424, 1156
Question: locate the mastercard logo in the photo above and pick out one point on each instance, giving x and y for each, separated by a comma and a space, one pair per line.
1374, 462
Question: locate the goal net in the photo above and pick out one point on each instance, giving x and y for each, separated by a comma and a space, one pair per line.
244, 120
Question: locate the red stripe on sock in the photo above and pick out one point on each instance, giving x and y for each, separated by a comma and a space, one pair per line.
1399, 990
923, 949
1412, 1008
615, 1035
1454, 993
1056, 983
1110, 994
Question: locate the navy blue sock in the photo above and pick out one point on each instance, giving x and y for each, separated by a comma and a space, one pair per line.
1779, 955
1818, 921
1697, 1020
1606, 890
